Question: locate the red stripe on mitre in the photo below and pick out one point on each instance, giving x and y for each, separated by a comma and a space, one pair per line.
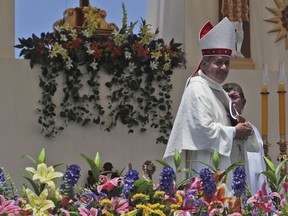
218, 51
205, 29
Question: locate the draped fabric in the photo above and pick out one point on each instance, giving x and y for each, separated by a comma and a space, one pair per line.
235, 10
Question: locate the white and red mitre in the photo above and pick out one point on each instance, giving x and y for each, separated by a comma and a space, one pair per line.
217, 40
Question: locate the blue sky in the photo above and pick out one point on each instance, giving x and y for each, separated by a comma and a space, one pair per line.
37, 16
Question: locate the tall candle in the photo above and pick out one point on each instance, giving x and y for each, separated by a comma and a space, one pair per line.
264, 93
281, 93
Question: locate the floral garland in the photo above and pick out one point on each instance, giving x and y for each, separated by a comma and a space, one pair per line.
138, 67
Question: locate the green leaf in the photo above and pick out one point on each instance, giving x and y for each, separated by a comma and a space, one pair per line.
94, 168
162, 162
33, 184
131, 213
281, 182
177, 158
269, 164
279, 167
41, 157
57, 165
206, 164
142, 186
270, 176
215, 159
97, 159
30, 158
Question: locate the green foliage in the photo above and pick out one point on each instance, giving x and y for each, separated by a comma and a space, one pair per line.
274, 176
94, 165
8, 188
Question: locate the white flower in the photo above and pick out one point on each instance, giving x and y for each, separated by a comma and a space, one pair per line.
131, 66
87, 44
90, 51
87, 33
153, 65
58, 28
127, 55
94, 65
63, 37
69, 64
158, 46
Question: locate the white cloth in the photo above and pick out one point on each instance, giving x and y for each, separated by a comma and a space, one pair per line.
202, 125
256, 165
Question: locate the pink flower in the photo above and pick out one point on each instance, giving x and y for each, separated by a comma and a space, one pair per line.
65, 212
121, 207
7, 206
263, 200
85, 212
194, 184
283, 200
216, 211
107, 184
235, 214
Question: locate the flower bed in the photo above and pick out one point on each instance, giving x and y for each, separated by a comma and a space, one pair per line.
131, 194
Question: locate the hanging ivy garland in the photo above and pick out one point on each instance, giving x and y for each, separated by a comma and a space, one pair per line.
137, 86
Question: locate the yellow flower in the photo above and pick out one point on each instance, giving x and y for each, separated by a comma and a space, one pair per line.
159, 194
107, 213
179, 204
166, 66
156, 55
147, 35
105, 202
140, 196
58, 49
38, 204
44, 174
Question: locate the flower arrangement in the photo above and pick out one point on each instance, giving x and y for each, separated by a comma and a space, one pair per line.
134, 195
132, 71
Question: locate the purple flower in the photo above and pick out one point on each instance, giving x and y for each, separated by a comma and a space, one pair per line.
129, 179
69, 180
239, 181
166, 181
208, 182
3, 183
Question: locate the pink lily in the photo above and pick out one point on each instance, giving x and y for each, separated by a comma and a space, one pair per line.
107, 184
121, 206
263, 200
7, 206
65, 212
283, 200
85, 212
194, 184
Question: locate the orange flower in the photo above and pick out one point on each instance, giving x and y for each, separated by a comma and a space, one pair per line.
76, 43
219, 199
141, 51
116, 51
40, 48
95, 46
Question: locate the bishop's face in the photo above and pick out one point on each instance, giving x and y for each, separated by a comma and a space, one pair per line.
217, 68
